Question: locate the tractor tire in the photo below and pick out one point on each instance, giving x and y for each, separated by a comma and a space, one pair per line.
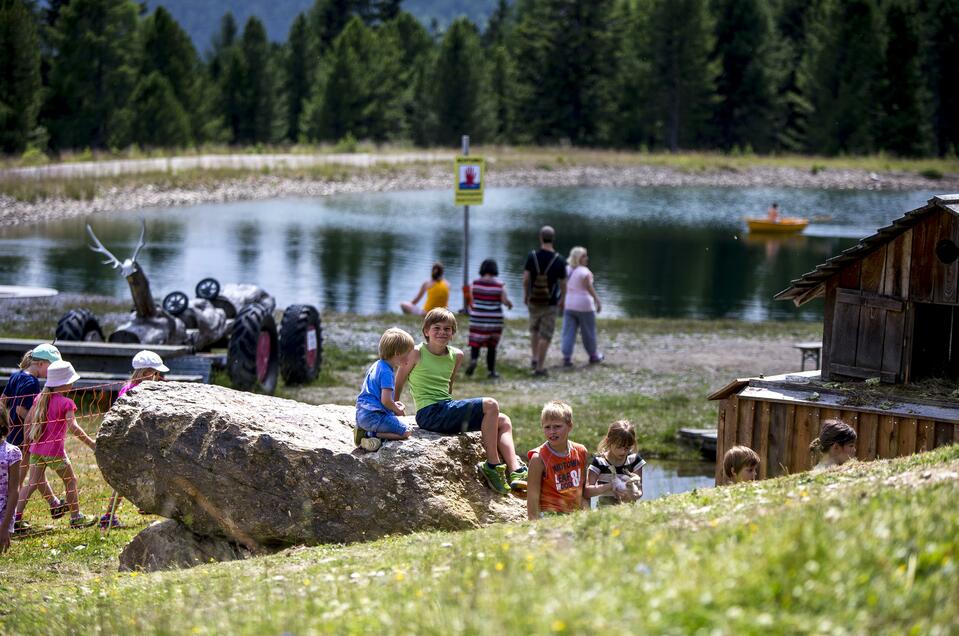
253, 353
301, 344
78, 325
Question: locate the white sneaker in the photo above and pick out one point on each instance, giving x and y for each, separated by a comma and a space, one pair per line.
371, 444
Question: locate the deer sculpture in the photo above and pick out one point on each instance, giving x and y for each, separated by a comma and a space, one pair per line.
143, 302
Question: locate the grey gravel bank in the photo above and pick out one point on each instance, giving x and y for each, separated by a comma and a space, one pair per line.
130, 198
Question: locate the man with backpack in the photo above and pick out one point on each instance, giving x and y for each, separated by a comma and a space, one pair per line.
544, 287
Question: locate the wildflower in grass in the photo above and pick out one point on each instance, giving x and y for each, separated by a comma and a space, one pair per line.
499, 566
616, 532
399, 576
558, 626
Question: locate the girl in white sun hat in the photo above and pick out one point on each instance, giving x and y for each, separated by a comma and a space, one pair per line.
54, 414
147, 365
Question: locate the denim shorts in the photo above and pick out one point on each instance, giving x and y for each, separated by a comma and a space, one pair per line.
380, 422
451, 416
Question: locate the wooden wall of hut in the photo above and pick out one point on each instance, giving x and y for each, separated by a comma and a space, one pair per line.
781, 433
869, 318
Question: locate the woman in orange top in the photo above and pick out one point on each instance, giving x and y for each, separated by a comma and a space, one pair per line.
437, 291
557, 468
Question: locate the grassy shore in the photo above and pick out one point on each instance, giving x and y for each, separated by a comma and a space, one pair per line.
869, 549
500, 158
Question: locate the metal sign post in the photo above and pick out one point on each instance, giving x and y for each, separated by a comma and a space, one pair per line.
467, 301
470, 177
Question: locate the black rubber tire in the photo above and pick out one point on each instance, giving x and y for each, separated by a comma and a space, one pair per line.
208, 288
78, 325
175, 303
295, 367
252, 320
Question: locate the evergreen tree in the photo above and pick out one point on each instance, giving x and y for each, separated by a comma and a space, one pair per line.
167, 50
19, 75
683, 78
905, 125
633, 119
299, 70
231, 92
792, 111
159, 119
336, 108
93, 73
843, 72
460, 86
260, 115
406, 34
387, 10
328, 18
502, 93
498, 26
223, 41
743, 114
942, 59
563, 69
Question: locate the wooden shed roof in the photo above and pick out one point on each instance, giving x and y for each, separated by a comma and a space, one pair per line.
812, 284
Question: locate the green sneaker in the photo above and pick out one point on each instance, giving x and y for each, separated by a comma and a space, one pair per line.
517, 478
495, 477
358, 435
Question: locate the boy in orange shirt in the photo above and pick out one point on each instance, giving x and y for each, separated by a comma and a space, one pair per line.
557, 468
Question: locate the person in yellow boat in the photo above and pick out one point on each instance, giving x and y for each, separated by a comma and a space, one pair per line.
773, 213
437, 291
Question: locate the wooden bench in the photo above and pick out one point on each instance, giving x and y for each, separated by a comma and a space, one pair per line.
809, 351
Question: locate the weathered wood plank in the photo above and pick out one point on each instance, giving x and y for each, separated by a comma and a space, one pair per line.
806, 417
869, 348
946, 275
849, 276
851, 297
921, 275
892, 344
944, 434
884, 436
829, 310
747, 415
732, 426
907, 342
868, 434
907, 436
892, 274
761, 438
845, 332
870, 280
781, 418
906, 266
925, 435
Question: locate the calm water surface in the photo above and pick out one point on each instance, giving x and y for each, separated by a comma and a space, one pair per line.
675, 252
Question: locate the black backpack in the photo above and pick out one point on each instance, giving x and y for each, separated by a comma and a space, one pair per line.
539, 290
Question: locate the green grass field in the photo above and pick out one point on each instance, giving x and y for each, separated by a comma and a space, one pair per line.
869, 549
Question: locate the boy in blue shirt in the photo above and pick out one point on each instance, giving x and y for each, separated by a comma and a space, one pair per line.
376, 406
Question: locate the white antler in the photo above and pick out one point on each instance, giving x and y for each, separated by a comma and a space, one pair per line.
98, 247
140, 243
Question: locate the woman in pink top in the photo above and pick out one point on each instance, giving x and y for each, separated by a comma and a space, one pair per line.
581, 306
47, 424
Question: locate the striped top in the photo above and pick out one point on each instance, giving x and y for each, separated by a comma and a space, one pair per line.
486, 314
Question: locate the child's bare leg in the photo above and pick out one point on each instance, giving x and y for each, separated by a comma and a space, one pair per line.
70, 481
506, 447
489, 429
43, 486
395, 436
34, 477
113, 503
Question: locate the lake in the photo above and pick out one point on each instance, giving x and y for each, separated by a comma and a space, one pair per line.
661, 252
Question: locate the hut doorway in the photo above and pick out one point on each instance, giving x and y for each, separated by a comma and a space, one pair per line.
935, 345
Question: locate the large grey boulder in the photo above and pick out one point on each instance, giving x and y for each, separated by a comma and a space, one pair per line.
267, 472
170, 544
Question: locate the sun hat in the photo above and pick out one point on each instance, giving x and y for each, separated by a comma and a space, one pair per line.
61, 373
46, 352
149, 360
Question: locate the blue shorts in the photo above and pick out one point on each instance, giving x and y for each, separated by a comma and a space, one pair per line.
15, 436
380, 422
451, 416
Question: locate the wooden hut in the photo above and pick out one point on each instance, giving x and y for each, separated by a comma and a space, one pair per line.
890, 314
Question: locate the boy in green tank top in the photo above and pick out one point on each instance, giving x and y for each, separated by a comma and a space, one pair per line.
431, 369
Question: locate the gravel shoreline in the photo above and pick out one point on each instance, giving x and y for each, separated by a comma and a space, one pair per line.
14, 212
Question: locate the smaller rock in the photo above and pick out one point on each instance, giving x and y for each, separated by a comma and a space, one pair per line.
169, 544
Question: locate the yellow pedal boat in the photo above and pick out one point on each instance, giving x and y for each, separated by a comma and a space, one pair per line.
785, 225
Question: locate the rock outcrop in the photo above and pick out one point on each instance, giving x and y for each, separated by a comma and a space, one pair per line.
170, 544
264, 472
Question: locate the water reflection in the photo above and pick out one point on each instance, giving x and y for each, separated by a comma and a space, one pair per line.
675, 252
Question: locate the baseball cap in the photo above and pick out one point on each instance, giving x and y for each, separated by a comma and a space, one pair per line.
46, 352
149, 360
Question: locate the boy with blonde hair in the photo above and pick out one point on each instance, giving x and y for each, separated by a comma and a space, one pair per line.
431, 369
376, 406
557, 468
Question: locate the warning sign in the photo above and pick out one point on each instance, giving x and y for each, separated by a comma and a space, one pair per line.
470, 176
